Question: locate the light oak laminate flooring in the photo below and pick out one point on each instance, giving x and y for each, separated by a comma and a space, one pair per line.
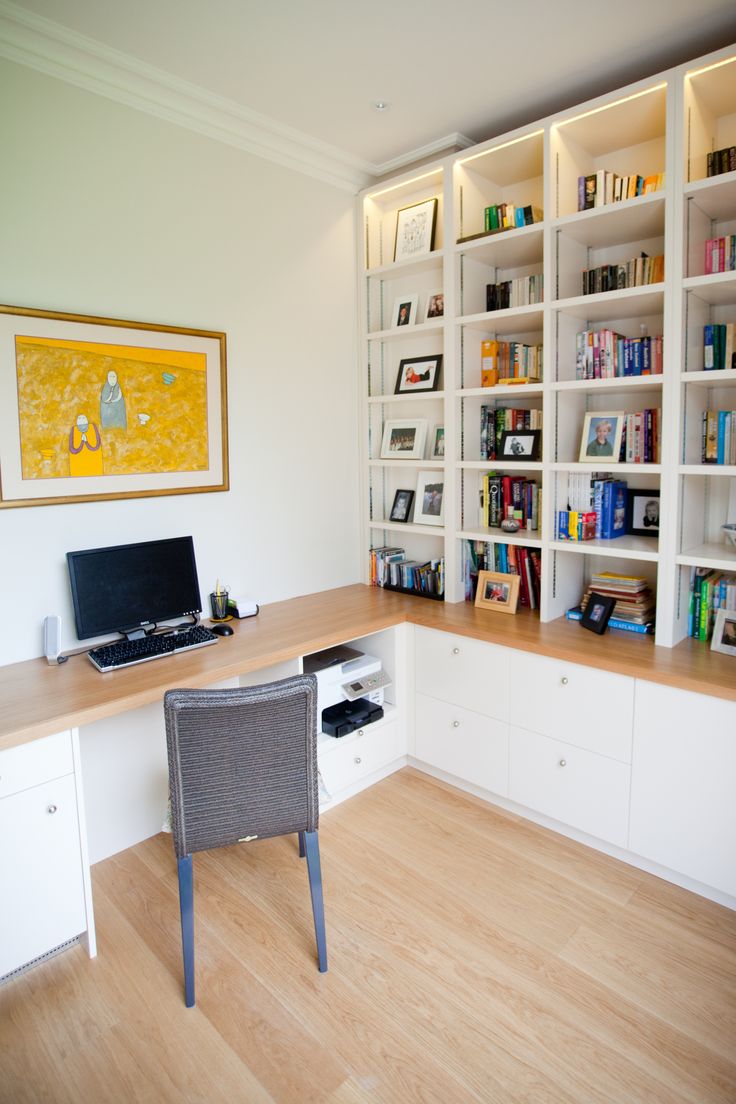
473, 957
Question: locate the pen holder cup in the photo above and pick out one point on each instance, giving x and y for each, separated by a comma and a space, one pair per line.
218, 603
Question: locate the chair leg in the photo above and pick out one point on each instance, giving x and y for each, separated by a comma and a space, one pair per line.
315, 888
301, 845
186, 906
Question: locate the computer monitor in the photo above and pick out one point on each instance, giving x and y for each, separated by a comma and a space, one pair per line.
121, 588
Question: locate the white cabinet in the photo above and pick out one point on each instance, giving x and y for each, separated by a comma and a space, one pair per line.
683, 811
466, 744
42, 871
347, 763
464, 672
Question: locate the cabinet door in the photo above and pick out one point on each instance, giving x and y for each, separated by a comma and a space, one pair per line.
576, 787
683, 784
580, 705
31, 764
41, 884
462, 671
465, 744
354, 757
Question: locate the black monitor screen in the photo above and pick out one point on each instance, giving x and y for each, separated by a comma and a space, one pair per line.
125, 586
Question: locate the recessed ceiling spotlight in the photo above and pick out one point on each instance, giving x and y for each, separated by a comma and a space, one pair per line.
381, 105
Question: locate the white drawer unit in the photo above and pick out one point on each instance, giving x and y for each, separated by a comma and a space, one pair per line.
683, 806
41, 872
465, 744
35, 762
580, 705
570, 784
354, 757
464, 672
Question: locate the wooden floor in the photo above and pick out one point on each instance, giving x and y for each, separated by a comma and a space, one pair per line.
473, 957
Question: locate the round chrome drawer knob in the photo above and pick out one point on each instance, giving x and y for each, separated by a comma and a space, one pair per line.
360, 732
357, 760
456, 651
563, 762
51, 808
455, 724
564, 680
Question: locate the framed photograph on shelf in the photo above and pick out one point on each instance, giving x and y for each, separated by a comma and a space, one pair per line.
724, 632
415, 227
437, 446
597, 612
522, 444
404, 439
435, 306
642, 512
401, 509
497, 591
405, 310
429, 505
418, 374
601, 439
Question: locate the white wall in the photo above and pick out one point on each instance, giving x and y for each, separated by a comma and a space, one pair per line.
107, 211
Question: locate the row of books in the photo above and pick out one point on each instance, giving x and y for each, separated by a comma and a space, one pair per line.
507, 559
601, 187
641, 442
601, 517
720, 255
719, 437
638, 272
501, 361
710, 591
506, 216
719, 346
504, 497
721, 161
635, 606
605, 354
390, 568
497, 420
522, 291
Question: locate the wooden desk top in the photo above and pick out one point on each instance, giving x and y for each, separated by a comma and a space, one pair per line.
37, 699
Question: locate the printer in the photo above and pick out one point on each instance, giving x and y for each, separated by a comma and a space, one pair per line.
347, 678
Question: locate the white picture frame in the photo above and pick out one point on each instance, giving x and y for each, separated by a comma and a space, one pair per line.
724, 632
405, 311
404, 439
429, 501
437, 443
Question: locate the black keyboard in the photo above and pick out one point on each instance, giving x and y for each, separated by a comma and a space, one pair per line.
123, 653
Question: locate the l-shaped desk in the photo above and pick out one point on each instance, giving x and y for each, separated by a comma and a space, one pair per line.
461, 708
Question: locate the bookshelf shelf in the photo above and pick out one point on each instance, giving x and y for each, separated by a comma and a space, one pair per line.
506, 248
718, 289
516, 320
724, 377
606, 305
619, 384
408, 465
500, 391
624, 548
715, 195
481, 533
397, 269
407, 527
500, 465
720, 471
720, 557
615, 223
380, 400
406, 333
613, 469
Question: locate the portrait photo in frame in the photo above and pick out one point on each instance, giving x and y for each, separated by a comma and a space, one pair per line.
597, 612
429, 504
521, 444
437, 443
642, 512
724, 632
404, 439
435, 306
415, 229
601, 437
418, 374
93, 409
401, 509
497, 591
405, 311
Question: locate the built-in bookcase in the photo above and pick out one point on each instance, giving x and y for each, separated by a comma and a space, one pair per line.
661, 130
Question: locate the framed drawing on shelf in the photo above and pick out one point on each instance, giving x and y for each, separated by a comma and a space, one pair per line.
418, 374
435, 306
642, 512
497, 591
415, 227
99, 408
429, 505
405, 311
401, 509
404, 439
522, 444
437, 447
724, 632
601, 439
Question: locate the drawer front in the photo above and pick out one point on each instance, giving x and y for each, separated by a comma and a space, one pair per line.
580, 705
465, 744
34, 763
41, 882
576, 787
356, 756
463, 672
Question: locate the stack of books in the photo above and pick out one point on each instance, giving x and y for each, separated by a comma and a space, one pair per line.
721, 161
719, 437
720, 255
497, 420
710, 591
520, 292
719, 346
604, 354
601, 187
635, 602
637, 272
391, 569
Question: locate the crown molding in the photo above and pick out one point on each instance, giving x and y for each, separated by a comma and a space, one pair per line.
38, 43
449, 144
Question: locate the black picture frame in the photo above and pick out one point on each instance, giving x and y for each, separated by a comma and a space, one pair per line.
642, 512
401, 509
415, 230
597, 612
520, 444
417, 374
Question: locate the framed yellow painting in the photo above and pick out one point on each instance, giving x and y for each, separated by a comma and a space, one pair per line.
98, 408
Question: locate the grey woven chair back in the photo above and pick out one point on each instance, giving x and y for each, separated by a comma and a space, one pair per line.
242, 762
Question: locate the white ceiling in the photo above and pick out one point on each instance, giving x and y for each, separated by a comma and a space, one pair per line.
474, 67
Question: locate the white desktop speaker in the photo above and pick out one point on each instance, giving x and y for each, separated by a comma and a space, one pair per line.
52, 639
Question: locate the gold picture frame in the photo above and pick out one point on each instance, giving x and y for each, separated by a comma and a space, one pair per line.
497, 591
93, 409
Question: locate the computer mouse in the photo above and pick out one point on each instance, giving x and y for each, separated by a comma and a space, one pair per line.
222, 630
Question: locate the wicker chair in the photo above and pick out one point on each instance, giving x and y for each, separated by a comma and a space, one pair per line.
243, 766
